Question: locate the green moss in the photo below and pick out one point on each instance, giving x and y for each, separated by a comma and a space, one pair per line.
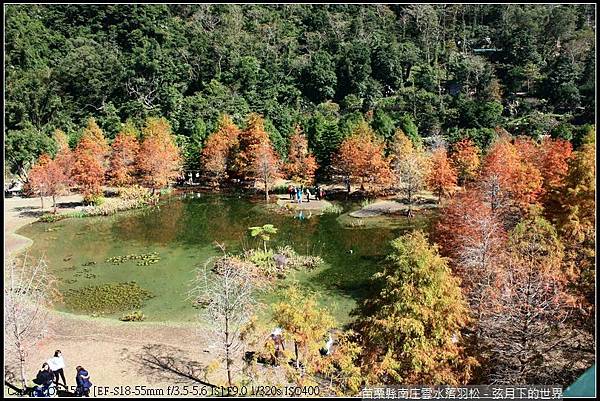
107, 298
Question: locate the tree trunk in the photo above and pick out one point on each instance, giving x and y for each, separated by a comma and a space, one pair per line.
42, 198
54, 203
22, 363
296, 352
266, 191
227, 357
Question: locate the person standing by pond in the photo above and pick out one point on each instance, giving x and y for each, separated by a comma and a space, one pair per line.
307, 194
83, 382
291, 192
299, 195
57, 365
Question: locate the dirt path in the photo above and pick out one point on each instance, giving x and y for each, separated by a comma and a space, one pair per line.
314, 204
115, 353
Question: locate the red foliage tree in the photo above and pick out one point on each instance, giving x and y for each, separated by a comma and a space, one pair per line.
442, 176
301, 165
218, 154
265, 165
471, 234
47, 178
64, 156
158, 161
125, 148
360, 158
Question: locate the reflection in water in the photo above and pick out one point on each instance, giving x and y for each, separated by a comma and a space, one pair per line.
183, 232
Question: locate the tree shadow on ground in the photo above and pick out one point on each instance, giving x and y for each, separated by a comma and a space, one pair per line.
161, 362
31, 213
25, 208
68, 205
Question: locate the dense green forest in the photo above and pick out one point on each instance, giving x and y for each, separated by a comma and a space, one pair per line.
451, 70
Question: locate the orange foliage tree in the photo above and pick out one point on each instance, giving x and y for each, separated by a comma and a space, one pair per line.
301, 165
250, 139
508, 179
47, 178
360, 158
218, 154
89, 164
465, 159
122, 158
158, 160
442, 176
553, 163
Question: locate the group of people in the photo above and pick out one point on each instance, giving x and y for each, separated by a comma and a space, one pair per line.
47, 379
298, 193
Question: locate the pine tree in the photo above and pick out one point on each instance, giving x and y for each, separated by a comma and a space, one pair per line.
411, 328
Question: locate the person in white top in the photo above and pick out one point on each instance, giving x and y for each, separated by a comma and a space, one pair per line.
57, 365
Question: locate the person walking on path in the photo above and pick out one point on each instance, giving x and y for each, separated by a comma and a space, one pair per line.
300, 195
83, 382
307, 194
294, 193
291, 192
57, 365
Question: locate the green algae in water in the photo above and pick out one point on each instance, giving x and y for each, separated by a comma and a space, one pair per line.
107, 298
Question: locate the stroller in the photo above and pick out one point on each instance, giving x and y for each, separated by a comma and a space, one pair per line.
45, 390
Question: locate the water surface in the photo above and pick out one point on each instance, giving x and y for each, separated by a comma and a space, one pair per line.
184, 230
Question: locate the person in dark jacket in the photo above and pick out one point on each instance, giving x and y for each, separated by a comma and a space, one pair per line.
44, 380
83, 382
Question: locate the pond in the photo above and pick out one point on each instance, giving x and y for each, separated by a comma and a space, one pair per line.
183, 231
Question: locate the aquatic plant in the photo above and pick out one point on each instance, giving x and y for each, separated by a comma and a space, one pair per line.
144, 259
107, 298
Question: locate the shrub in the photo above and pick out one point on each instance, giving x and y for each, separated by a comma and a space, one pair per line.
51, 218
366, 203
95, 200
165, 191
135, 316
135, 192
280, 189
333, 209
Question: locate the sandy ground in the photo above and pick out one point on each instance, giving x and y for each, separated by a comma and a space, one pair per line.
115, 353
385, 207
